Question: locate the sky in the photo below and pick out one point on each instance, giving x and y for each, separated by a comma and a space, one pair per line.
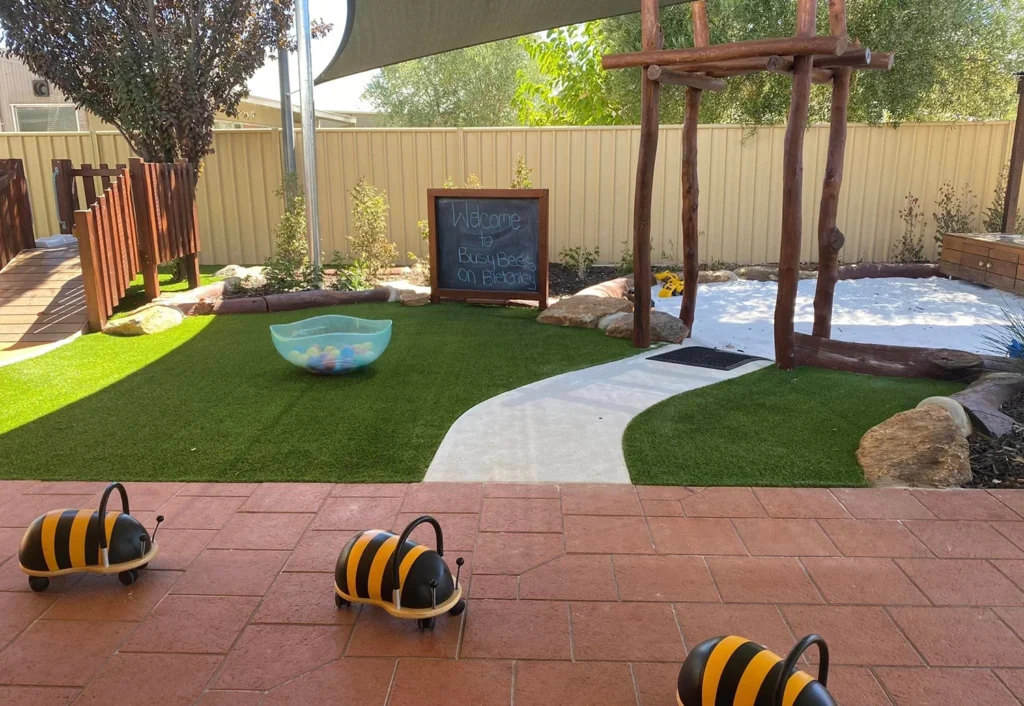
341, 94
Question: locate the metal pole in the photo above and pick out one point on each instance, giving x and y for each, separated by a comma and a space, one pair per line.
302, 31
287, 118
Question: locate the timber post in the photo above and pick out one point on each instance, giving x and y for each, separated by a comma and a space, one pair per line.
1013, 178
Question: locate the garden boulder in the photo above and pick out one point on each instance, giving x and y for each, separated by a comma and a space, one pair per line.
955, 409
921, 447
147, 320
708, 276
664, 327
582, 310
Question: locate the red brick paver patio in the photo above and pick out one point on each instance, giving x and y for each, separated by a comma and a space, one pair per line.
578, 595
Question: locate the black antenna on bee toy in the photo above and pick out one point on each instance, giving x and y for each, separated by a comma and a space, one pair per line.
159, 519
458, 572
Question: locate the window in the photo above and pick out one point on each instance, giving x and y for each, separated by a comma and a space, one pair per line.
45, 118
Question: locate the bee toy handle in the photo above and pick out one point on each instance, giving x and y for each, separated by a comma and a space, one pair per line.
399, 550
790, 664
103, 510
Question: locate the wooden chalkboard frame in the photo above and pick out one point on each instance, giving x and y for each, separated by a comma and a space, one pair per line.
541, 295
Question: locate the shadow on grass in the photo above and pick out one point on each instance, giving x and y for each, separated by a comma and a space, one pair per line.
212, 400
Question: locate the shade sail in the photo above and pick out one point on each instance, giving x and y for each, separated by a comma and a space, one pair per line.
384, 32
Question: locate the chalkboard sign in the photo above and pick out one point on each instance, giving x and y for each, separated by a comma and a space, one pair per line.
489, 244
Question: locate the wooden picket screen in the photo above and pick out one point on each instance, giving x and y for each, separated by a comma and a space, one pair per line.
15, 212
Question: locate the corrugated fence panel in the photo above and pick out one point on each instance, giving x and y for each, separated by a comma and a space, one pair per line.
590, 172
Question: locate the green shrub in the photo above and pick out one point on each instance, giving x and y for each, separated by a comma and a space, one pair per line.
953, 214
350, 276
370, 242
579, 259
288, 269
910, 246
522, 180
994, 214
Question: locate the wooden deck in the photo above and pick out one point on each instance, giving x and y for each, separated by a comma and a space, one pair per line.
42, 298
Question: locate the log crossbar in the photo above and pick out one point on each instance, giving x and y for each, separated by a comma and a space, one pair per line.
684, 78
683, 58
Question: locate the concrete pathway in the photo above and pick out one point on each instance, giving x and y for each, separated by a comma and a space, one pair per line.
577, 595
565, 429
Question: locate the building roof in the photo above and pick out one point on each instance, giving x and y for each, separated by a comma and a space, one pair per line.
385, 32
323, 114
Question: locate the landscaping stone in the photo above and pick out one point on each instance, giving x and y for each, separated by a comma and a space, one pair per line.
584, 311
412, 298
921, 447
232, 271
664, 327
955, 409
764, 273
607, 321
245, 278
708, 276
147, 320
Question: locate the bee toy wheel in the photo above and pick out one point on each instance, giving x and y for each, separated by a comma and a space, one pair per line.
38, 583
458, 608
340, 602
128, 577
426, 623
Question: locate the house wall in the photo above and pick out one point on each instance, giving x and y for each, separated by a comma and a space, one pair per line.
16, 89
590, 173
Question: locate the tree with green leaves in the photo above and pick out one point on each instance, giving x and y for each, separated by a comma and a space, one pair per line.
157, 70
463, 88
954, 60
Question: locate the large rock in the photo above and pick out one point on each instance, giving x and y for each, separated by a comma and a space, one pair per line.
582, 310
708, 276
955, 409
664, 327
148, 320
409, 297
921, 447
764, 273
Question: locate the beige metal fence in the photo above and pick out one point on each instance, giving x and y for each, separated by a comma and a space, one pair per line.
590, 172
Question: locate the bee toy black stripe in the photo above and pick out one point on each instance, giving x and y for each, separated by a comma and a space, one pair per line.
404, 578
733, 671
68, 541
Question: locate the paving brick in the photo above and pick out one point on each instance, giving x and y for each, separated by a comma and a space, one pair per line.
574, 684
18, 611
230, 698
863, 581
150, 496
723, 502
1012, 569
963, 540
443, 497
197, 624
874, 538
570, 578
662, 508
797, 503
231, 572
98, 597
20, 514
964, 505
684, 535
762, 580
662, 492
12, 578
511, 553
856, 635
855, 686
761, 623
60, 653
960, 637
882, 504
517, 630
496, 586
68, 487
521, 515
10, 541
1014, 617
200, 512
222, 490
607, 535
477, 682
346, 682
962, 582
179, 548
1014, 531
644, 632
369, 490
458, 530
923, 687
356, 514
664, 578
173, 679
268, 655
287, 497
1013, 679
521, 490
656, 683
318, 551
37, 695
378, 634
582, 499
1014, 499
304, 599
784, 537
262, 530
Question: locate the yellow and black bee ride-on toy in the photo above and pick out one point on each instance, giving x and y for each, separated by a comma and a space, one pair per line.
734, 670
100, 542
406, 579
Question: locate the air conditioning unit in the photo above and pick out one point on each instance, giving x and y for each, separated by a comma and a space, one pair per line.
40, 88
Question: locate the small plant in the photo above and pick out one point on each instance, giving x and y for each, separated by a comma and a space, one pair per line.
994, 214
522, 180
953, 213
580, 259
289, 269
370, 242
910, 246
449, 183
473, 182
1007, 339
625, 266
350, 276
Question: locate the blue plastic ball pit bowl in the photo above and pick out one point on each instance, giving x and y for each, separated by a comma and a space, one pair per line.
332, 345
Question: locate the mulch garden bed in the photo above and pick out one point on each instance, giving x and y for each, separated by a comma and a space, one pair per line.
999, 463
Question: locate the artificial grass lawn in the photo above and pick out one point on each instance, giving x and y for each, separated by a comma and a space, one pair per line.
211, 400
769, 427
135, 295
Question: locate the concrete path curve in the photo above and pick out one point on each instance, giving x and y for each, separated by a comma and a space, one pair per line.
568, 428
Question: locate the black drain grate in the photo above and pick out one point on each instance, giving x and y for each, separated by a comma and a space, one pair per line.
701, 357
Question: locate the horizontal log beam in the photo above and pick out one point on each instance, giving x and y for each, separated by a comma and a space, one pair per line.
756, 63
684, 78
786, 46
785, 66
857, 56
